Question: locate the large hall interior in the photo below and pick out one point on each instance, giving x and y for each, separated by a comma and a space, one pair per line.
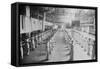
54, 34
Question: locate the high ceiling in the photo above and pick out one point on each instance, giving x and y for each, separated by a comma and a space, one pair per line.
66, 15
60, 15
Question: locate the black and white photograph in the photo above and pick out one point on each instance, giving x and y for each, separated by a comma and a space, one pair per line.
56, 34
